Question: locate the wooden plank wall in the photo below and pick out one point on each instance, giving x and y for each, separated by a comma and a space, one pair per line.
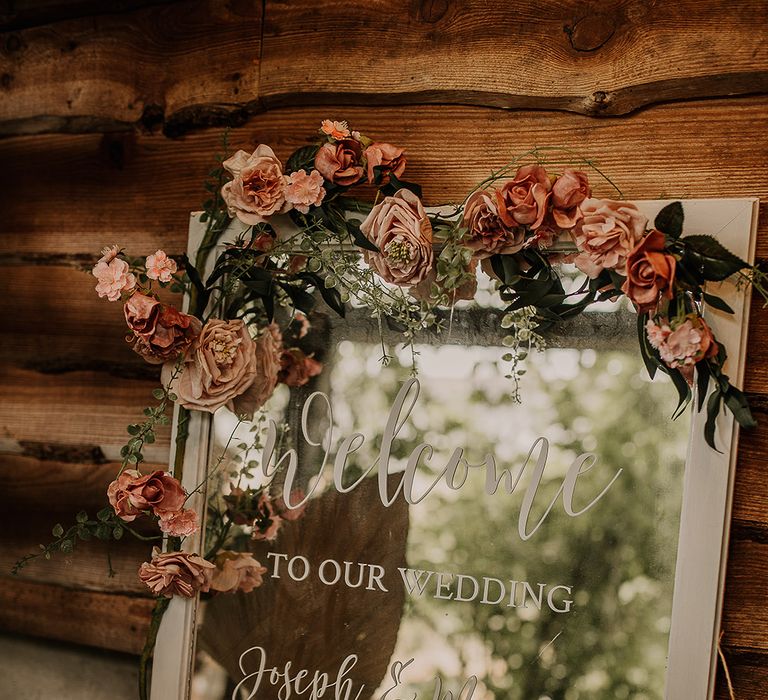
110, 114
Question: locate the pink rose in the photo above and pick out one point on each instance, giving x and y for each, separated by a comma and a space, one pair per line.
160, 332
237, 571
160, 266
113, 278
258, 188
606, 234
296, 368
267, 522
390, 159
568, 192
336, 130
304, 191
176, 573
133, 493
179, 523
220, 366
109, 253
268, 347
281, 508
400, 229
524, 200
650, 272
486, 233
339, 162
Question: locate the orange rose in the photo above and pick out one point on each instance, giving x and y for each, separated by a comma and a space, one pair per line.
133, 493
389, 158
160, 332
486, 233
296, 368
524, 200
650, 272
340, 162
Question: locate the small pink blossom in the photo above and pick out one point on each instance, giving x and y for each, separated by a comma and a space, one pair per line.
304, 191
656, 333
114, 278
336, 130
179, 523
160, 266
682, 343
109, 253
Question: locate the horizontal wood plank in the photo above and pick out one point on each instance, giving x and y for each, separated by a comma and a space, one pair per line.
164, 63
745, 614
73, 194
749, 675
105, 620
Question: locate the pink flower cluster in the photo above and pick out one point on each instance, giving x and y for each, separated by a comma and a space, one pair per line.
113, 275
682, 342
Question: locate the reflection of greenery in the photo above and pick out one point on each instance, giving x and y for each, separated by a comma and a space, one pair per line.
619, 557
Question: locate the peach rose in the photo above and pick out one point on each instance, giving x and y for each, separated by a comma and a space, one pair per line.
237, 571
258, 188
267, 522
133, 493
160, 266
486, 233
179, 523
400, 229
304, 191
268, 347
340, 162
290, 514
568, 192
650, 272
296, 368
160, 332
176, 573
389, 158
220, 366
606, 234
113, 277
524, 200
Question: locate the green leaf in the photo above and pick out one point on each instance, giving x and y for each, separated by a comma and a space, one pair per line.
683, 390
158, 393
670, 220
81, 517
713, 409
67, 546
105, 514
359, 237
117, 532
103, 531
739, 406
646, 351
302, 159
133, 429
302, 300
717, 303
710, 258
396, 184
702, 382
58, 530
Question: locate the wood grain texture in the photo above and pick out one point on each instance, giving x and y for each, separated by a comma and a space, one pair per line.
745, 616
72, 194
109, 621
164, 63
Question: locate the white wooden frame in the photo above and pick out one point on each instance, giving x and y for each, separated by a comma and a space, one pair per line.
707, 490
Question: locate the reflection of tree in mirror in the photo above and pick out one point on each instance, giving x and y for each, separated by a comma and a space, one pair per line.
618, 561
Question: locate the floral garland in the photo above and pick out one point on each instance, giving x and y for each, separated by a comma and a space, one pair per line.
243, 333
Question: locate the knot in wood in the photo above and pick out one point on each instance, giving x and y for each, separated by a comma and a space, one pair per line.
432, 10
591, 32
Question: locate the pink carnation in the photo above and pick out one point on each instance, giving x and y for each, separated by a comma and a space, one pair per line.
179, 523
160, 266
304, 191
114, 278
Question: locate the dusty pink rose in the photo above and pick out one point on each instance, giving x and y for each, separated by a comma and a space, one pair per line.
568, 192
258, 188
296, 511
400, 229
525, 200
268, 347
304, 191
237, 571
113, 278
160, 332
606, 234
133, 493
176, 573
650, 272
340, 162
267, 522
179, 523
160, 266
334, 129
388, 158
220, 366
486, 233
296, 368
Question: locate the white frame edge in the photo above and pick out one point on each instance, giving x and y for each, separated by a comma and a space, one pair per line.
705, 514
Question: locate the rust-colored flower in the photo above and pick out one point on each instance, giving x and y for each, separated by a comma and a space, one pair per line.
176, 573
340, 162
650, 272
568, 192
237, 571
267, 522
388, 158
297, 368
281, 508
524, 200
133, 493
268, 347
400, 229
486, 233
257, 190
